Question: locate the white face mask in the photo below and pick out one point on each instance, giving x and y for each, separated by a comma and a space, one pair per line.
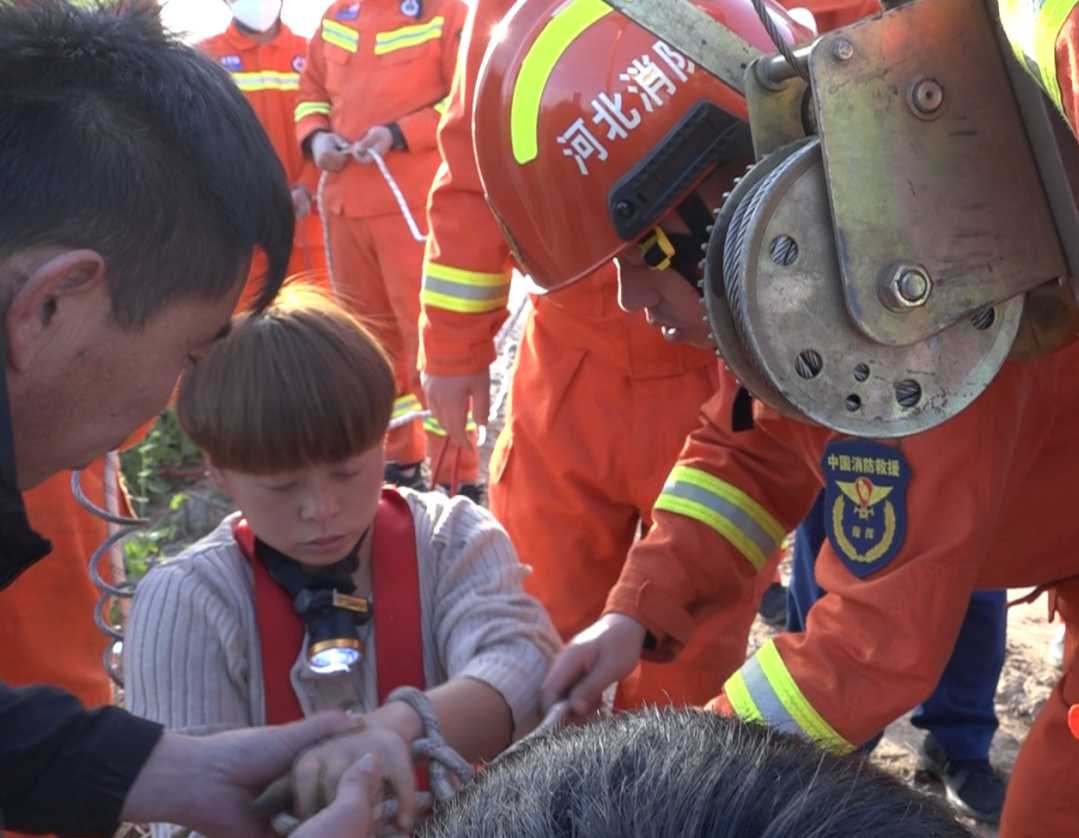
259, 15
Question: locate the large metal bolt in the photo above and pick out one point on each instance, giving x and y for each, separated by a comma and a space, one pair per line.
909, 286
926, 97
842, 49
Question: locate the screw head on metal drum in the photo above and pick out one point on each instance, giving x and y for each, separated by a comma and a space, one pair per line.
842, 49
907, 287
926, 97
623, 208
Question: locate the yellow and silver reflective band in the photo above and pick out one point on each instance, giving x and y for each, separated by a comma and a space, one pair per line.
468, 292
266, 80
1032, 27
409, 36
441, 105
404, 405
764, 691
725, 508
340, 36
306, 109
657, 250
431, 425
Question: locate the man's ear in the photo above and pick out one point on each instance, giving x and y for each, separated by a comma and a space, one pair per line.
38, 303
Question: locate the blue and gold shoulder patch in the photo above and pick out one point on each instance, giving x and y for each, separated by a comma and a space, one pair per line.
866, 502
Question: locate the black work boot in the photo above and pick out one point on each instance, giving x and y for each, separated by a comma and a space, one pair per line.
973, 788
409, 475
773, 605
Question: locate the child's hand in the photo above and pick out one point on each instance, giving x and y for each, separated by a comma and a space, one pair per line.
330, 151
352, 814
316, 776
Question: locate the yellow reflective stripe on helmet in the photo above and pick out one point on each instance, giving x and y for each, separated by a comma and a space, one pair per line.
409, 36
467, 292
403, 405
267, 80
747, 525
305, 109
561, 31
440, 106
340, 36
1033, 27
763, 690
432, 426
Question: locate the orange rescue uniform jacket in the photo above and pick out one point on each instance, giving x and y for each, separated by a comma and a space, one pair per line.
986, 500
269, 76
371, 64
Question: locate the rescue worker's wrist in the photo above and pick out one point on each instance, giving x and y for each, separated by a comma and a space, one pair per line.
666, 621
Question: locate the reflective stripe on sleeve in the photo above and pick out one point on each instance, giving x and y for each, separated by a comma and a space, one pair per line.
764, 691
468, 292
1032, 27
403, 405
306, 109
747, 525
431, 425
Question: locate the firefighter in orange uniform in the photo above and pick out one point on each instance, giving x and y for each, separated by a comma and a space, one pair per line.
265, 59
38, 649
914, 525
583, 453
377, 77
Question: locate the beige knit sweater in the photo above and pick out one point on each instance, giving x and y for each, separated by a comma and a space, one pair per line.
192, 659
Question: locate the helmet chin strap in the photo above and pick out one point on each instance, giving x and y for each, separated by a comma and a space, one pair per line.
681, 252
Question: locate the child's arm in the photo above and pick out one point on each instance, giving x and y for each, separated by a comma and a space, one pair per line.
493, 640
182, 651
475, 718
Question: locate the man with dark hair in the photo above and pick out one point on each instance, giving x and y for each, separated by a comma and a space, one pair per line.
136, 185
685, 774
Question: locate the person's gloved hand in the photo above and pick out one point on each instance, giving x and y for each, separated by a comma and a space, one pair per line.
301, 202
378, 138
330, 151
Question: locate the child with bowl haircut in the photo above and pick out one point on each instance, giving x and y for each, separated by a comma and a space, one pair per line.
291, 409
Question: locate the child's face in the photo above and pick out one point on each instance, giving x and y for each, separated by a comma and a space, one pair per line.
315, 514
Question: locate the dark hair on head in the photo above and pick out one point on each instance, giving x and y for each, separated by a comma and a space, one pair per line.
116, 137
300, 383
685, 774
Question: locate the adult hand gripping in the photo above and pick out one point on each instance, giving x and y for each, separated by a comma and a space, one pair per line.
210, 783
330, 151
601, 655
449, 398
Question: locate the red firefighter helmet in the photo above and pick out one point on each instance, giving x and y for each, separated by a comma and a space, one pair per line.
589, 129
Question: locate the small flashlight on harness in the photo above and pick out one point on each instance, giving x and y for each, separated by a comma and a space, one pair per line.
331, 619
